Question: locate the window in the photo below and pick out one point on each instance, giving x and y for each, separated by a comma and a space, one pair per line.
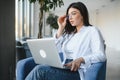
24, 19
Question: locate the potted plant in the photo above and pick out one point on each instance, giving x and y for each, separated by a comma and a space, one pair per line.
52, 21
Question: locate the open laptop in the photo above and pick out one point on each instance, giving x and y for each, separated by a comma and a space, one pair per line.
44, 51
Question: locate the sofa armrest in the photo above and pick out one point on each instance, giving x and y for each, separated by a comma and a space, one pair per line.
23, 67
97, 71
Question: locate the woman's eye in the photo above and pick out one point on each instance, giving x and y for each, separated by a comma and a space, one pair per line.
74, 13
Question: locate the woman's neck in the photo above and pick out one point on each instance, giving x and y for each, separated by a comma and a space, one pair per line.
79, 27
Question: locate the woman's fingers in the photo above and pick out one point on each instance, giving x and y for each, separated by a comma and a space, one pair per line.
74, 66
68, 64
62, 21
61, 18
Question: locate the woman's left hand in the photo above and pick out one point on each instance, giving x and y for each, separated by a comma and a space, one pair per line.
75, 65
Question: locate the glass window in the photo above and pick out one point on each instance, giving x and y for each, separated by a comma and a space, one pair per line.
24, 19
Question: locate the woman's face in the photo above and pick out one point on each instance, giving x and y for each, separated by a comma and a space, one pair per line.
75, 17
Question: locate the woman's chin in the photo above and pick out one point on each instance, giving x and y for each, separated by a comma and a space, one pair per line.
73, 24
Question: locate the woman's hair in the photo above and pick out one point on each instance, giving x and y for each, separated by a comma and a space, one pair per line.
84, 12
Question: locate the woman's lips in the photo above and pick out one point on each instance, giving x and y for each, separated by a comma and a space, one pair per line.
71, 22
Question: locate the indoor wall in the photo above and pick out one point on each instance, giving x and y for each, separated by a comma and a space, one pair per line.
108, 20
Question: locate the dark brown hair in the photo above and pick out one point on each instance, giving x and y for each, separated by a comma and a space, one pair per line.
84, 12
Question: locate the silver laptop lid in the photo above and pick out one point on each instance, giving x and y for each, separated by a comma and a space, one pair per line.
44, 51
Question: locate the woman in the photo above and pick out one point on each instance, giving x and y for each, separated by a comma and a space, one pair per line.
78, 41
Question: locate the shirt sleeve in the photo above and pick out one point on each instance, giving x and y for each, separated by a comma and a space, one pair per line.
97, 48
58, 42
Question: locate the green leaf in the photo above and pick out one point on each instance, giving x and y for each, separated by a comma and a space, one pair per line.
51, 6
52, 20
32, 1
55, 1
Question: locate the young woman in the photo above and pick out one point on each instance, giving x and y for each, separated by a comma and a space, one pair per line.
78, 41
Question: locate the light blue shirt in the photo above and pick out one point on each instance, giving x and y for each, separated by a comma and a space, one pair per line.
87, 43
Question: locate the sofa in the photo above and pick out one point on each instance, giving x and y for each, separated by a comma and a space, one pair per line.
97, 71
22, 50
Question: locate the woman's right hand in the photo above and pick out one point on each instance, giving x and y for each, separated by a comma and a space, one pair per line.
61, 24
62, 21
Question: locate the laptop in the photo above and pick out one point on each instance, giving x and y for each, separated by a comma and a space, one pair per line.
44, 51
